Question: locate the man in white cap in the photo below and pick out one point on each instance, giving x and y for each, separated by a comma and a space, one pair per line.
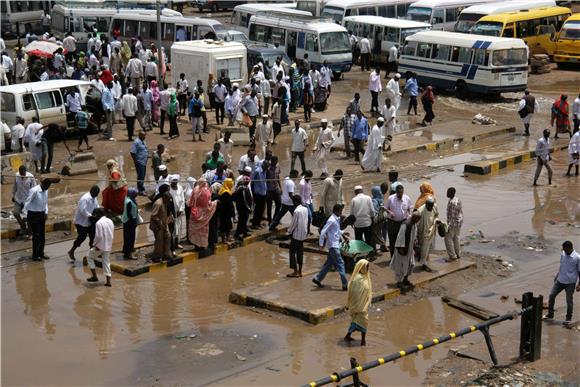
178, 195
373, 156
264, 135
393, 91
164, 177
361, 206
323, 145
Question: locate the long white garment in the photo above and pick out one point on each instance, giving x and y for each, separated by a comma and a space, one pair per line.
373, 157
178, 196
393, 92
390, 116
402, 264
264, 135
322, 148
574, 148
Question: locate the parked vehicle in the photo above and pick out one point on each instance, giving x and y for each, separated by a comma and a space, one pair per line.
236, 36
216, 5
337, 10
441, 14
266, 54
19, 17
567, 42
241, 15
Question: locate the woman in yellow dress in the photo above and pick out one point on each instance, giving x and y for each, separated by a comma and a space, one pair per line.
360, 292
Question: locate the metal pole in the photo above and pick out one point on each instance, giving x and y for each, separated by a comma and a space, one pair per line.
160, 57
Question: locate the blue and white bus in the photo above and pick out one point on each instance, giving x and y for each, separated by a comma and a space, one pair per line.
466, 63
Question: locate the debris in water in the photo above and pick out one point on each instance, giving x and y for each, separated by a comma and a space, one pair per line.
486, 240
552, 222
239, 357
481, 234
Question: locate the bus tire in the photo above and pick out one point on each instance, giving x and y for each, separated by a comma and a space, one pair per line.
460, 89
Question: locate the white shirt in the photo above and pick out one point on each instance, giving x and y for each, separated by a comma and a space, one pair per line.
226, 148
375, 82
245, 161
37, 200
117, 90
220, 93
400, 208
73, 101
276, 69
287, 191
70, 43
298, 228
576, 108
331, 233
393, 90
130, 106
7, 63
30, 132
22, 187
543, 149
134, 68
299, 140
104, 231
325, 76
361, 206
365, 46
393, 54
84, 210
16, 134
178, 196
390, 116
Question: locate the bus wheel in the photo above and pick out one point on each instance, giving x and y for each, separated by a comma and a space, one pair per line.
461, 89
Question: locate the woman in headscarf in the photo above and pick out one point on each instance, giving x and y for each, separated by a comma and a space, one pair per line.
243, 200
428, 99
125, 53
160, 220
129, 219
214, 223
227, 211
379, 218
172, 111
115, 193
560, 115
360, 291
202, 209
426, 190
82, 60
155, 102
188, 191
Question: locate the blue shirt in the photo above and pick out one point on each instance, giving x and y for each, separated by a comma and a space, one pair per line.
259, 186
331, 233
569, 268
82, 119
412, 87
195, 106
139, 149
107, 100
147, 99
360, 129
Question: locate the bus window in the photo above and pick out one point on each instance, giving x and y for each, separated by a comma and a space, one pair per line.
8, 102
460, 54
451, 14
278, 36
28, 102
409, 49
236, 20
365, 30
480, 57
545, 30
561, 19
440, 52
402, 10
311, 43
244, 19
98, 24
368, 11
232, 67
131, 28
387, 11
168, 29
351, 12
391, 34
148, 30
508, 31
516, 56
423, 50
183, 33
438, 15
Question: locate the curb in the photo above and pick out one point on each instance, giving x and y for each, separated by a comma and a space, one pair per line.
63, 225
486, 167
184, 257
317, 316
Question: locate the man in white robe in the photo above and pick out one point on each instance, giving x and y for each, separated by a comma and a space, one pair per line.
373, 156
178, 195
404, 255
389, 113
322, 147
573, 152
393, 91
264, 135
426, 230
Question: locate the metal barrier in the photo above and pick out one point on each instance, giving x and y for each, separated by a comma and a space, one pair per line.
530, 342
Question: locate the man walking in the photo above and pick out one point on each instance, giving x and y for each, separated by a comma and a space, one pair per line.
24, 181
543, 157
412, 87
346, 124
361, 206
573, 152
322, 148
264, 135
130, 107
454, 221
360, 133
375, 88
87, 204
140, 153
288, 190
259, 192
299, 144
36, 211
102, 245
108, 102
298, 230
373, 156
365, 53
195, 114
528, 106
568, 275
220, 92
399, 207
331, 236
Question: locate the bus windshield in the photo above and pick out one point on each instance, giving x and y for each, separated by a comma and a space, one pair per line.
488, 28
334, 42
466, 22
510, 57
332, 13
408, 32
420, 14
570, 31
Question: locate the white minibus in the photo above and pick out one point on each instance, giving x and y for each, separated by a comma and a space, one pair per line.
383, 32
321, 40
339, 9
441, 14
469, 16
466, 63
19, 17
240, 19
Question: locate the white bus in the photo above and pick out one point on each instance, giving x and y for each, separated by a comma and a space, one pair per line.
174, 28
19, 17
469, 16
441, 14
383, 32
242, 13
312, 6
322, 41
339, 9
466, 63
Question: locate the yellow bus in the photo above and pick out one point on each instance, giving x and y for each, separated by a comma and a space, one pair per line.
567, 42
535, 26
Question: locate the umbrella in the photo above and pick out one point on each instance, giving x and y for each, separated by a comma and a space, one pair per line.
40, 53
42, 46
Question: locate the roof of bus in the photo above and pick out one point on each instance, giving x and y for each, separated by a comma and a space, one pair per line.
503, 6
143, 15
464, 40
263, 7
67, 11
41, 86
445, 3
361, 3
207, 45
387, 21
508, 17
574, 17
307, 23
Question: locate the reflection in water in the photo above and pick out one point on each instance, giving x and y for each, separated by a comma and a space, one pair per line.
31, 286
539, 216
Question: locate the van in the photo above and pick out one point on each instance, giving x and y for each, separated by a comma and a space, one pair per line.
259, 52
46, 100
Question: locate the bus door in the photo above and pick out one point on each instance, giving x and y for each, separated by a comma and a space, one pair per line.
292, 40
544, 40
301, 45
391, 38
377, 33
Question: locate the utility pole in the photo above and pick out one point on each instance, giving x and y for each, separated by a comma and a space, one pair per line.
160, 57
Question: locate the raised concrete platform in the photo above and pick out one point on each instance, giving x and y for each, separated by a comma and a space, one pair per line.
300, 298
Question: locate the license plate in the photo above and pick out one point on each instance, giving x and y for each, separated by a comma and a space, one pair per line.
511, 78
